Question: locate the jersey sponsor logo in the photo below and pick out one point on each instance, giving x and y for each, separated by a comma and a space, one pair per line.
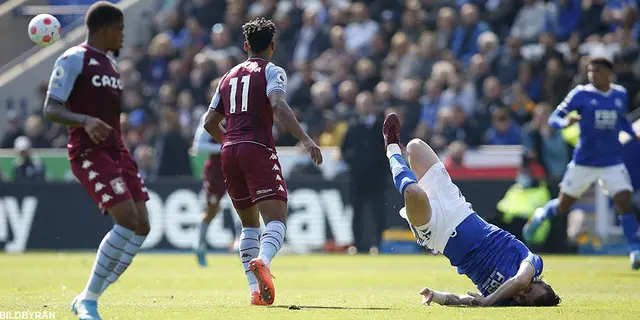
118, 186
106, 81
493, 282
606, 119
94, 62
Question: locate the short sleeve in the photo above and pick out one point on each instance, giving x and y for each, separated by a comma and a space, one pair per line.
215, 101
571, 101
276, 79
537, 264
65, 72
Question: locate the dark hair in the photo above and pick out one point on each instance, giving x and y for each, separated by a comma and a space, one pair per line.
259, 34
102, 13
602, 61
549, 298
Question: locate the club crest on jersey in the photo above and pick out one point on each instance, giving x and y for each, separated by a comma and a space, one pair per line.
106, 81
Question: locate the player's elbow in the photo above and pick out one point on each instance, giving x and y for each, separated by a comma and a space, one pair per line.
521, 282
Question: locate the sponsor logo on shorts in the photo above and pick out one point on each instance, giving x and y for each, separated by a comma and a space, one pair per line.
278, 178
273, 157
99, 186
280, 188
275, 168
118, 186
263, 191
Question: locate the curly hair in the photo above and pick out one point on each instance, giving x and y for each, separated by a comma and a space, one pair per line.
101, 14
549, 299
259, 34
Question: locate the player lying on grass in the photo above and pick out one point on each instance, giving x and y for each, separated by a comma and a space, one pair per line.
502, 267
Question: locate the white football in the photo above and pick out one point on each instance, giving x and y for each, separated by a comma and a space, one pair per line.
44, 29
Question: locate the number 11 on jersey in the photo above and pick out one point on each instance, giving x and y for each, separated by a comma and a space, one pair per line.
245, 93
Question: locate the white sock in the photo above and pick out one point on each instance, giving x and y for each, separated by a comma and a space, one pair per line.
393, 149
271, 241
249, 250
107, 258
130, 251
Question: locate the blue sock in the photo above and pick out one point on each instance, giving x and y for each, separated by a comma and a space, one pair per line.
402, 175
202, 236
629, 225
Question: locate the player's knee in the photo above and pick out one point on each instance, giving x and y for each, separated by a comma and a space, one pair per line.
622, 202
413, 192
143, 228
414, 147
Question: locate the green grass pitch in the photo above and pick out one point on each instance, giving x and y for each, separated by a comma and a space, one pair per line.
172, 286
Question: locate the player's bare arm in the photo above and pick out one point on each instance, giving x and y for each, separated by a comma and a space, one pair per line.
213, 126
509, 289
55, 111
288, 119
444, 298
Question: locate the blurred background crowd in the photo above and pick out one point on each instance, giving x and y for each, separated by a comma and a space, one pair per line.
460, 73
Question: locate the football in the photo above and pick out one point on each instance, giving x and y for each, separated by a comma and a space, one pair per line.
44, 29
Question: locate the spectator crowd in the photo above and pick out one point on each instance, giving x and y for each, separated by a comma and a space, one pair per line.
460, 73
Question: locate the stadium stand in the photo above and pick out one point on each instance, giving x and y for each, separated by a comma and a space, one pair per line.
469, 71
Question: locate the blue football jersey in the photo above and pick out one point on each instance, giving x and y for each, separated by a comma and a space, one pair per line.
602, 114
488, 255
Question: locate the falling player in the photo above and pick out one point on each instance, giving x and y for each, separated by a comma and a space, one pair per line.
601, 107
247, 98
84, 94
212, 183
502, 268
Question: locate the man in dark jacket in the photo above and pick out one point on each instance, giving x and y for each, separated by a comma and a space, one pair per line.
368, 168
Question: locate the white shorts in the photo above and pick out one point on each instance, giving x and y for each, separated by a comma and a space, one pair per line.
448, 208
578, 179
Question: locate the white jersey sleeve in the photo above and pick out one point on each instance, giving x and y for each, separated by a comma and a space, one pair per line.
202, 141
65, 72
216, 98
276, 79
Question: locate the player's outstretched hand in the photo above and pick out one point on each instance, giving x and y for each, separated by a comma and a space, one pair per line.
478, 300
97, 130
573, 119
314, 151
427, 296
